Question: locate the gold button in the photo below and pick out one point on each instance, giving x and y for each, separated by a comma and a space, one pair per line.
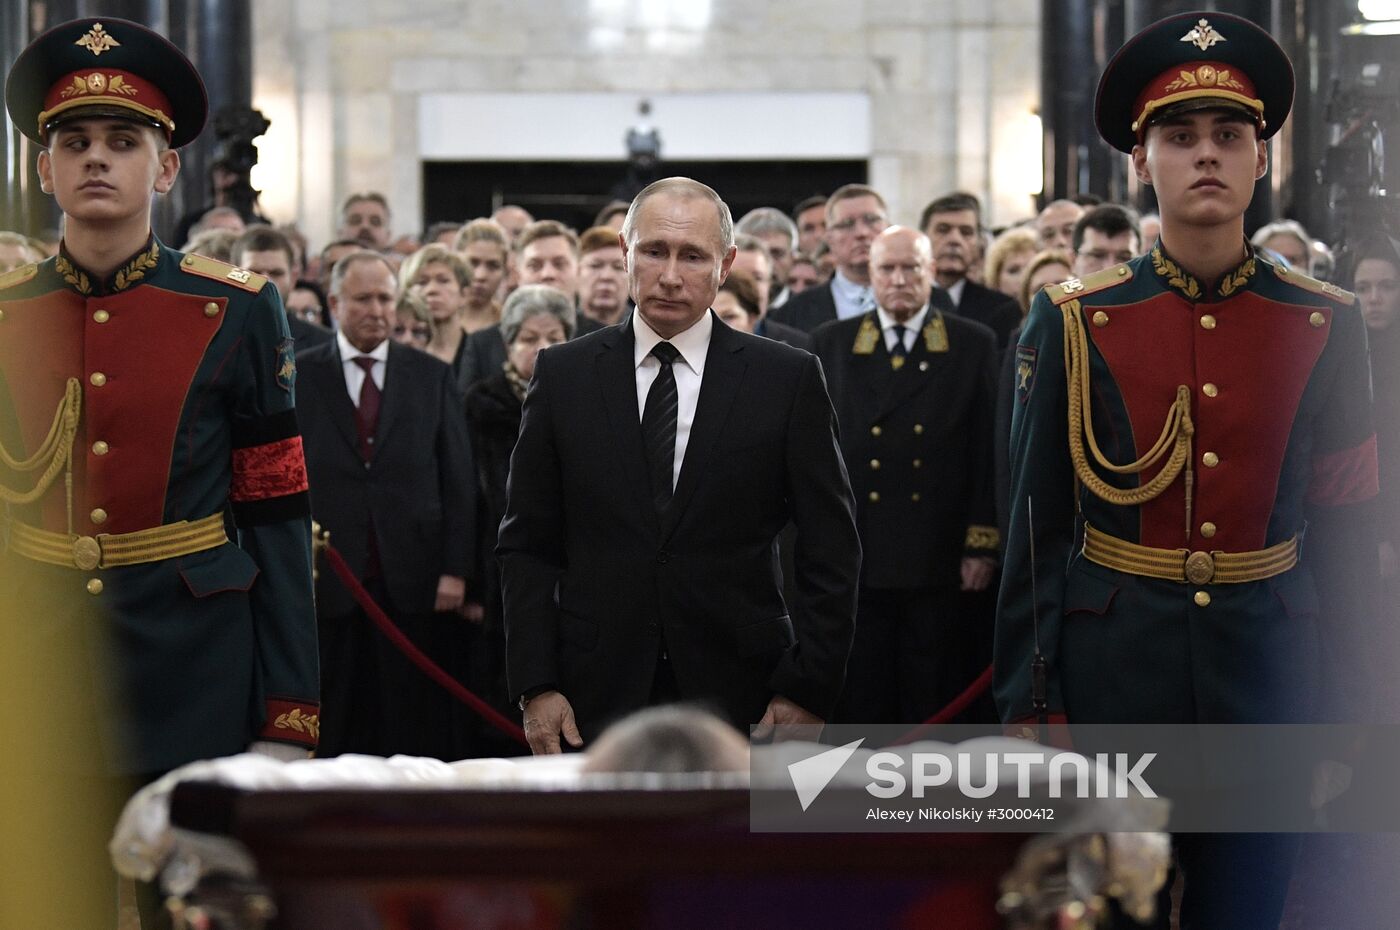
94, 586
1209, 390
1100, 319
874, 464
1207, 529
1207, 322
101, 316
100, 448
918, 429
99, 516
1202, 599
211, 309
1122, 270
918, 463
1317, 320
914, 497
98, 379
1210, 459
874, 497
875, 431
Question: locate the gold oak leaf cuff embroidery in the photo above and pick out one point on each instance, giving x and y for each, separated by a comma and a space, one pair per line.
309, 724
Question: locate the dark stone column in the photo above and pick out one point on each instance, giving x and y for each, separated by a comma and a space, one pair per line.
1077, 39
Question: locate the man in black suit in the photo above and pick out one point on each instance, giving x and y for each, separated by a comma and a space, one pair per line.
953, 224
753, 259
657, 462
914, 390
268, 252
855, 215
392, 481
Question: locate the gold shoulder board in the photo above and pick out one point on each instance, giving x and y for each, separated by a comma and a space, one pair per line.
18, 275
222, 271
1325, 288
1075, 288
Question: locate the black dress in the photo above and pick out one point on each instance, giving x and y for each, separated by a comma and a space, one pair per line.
493, 422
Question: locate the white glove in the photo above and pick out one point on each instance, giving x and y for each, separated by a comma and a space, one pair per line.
282, 752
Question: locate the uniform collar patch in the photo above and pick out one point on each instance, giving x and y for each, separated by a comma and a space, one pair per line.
128, 275
1178, 279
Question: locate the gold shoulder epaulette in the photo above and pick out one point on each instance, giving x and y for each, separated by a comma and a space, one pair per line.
222, 271
1075, 288
18, 275
1325, 288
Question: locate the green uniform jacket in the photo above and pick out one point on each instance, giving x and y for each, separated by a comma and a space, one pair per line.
185, 366
1275, 372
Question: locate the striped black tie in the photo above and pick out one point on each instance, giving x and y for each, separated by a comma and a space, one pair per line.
659, 425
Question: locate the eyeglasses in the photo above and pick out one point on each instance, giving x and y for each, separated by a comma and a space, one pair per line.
870, 220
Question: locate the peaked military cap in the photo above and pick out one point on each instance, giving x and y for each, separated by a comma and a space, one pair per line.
105, 67
1193, 61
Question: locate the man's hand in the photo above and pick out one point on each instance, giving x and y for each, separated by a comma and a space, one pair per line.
977, 571
782, 712
546, 716
450, 594
474, 611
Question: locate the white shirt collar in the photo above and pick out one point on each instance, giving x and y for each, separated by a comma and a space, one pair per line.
693, 344
913, 324
847, 287
955, 291
349, 353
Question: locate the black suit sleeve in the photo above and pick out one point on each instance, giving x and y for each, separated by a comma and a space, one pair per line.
531, 544
458, 478
827, 555
983, 533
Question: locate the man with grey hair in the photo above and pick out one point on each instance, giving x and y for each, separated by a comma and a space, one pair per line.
393, 482
657, 462
778, 233
755, 259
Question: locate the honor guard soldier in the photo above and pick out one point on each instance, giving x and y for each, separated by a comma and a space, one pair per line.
1179, 420
145, 395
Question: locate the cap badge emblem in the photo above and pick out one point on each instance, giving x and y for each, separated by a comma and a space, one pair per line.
97, 40
1203, 35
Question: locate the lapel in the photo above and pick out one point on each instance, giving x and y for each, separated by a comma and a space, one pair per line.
396, 395
871, 370
617, 381
328, 374
724, 371
920, 367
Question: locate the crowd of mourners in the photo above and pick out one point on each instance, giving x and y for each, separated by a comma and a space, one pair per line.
483, 297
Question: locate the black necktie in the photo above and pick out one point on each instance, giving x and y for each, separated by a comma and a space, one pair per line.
898, 351
659, 425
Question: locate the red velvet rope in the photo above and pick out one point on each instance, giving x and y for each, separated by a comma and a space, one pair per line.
415, 655
956, 706
488, 713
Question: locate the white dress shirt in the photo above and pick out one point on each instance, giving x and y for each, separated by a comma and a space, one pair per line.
955, 291
693, 345
851, 299
911, 328
354, 374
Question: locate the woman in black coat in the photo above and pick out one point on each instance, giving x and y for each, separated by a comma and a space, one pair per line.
534, 318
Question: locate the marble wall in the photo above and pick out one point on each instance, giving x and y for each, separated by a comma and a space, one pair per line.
952, 85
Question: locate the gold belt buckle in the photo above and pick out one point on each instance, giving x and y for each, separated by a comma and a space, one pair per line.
87, 553
1200, 567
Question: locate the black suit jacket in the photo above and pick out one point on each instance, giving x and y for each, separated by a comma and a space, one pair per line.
420, 491
816, 306
918, 444
788, 334
308, 335
595, 580
993, 309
